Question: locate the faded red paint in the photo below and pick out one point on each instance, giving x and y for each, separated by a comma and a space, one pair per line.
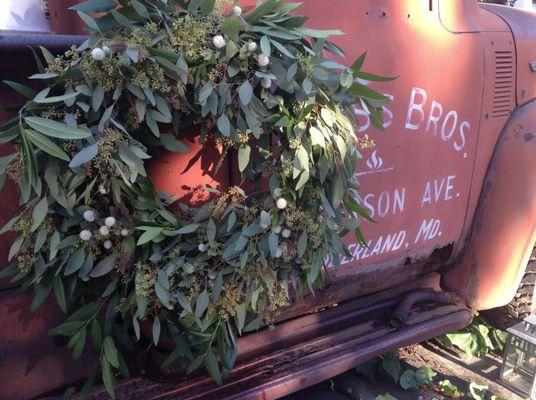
63, 20
185, 175
504, 230
417, 177
464, 58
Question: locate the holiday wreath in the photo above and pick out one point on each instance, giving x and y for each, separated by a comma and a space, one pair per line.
116, 254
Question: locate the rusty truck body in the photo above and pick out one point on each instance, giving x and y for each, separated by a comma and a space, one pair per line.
451, 184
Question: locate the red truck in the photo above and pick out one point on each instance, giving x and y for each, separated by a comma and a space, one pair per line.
450, 183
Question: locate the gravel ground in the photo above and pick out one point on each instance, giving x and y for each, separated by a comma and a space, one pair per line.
447, 363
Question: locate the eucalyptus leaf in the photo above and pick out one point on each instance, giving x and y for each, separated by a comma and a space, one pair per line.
56, 129
84, 156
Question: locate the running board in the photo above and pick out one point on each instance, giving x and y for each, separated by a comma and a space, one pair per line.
303, 352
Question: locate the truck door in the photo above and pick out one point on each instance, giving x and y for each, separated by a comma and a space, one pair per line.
416, 181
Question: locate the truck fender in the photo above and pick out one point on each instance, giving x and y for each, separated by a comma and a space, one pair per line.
503, 233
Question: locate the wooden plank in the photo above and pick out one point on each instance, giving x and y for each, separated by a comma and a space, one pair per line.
15, 70
31, 361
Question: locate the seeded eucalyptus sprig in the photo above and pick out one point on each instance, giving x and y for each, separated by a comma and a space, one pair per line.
123, 262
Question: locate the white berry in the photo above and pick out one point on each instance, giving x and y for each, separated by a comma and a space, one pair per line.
124, 232
252, 46
98, 54
108, 245
190, 269
278, 192
277, 230
109, 222
104, 230
237, 11
218, 41
106, 49
89, 215
202, 247
278, 253
286, 233
263, 60
266, 83
102, 189
281, 203
85, 235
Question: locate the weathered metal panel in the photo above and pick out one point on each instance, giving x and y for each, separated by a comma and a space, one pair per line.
341, 340
417, 181
523, 25
504, 227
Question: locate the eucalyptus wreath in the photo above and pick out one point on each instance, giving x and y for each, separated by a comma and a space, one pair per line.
119, 256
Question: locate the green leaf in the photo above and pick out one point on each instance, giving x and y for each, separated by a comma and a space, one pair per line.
59, 292
156, 331
96, 334
88, 385
205, 93
190, 228
171, 143
56, 129
104, 266
385, 397
201, 304
22, 89
232, 27
266, 48
67, 328
110, 351
193, 5
367, 93
447, 388
107, 377
317, 33
56, 99
207, 7
79, 344
211, 231
425, 375
372, 77
45, 144
97, 97
477, 392
9, 224
243, 157
54, 242
95, 6
196, 363
391, 365
407, 380
224, 126
212, 367
90, 22
124, 21
140, 9
245, 92
84, 156
302, 244
358, 64
39, 213
46, 75
75, 262
149, 235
